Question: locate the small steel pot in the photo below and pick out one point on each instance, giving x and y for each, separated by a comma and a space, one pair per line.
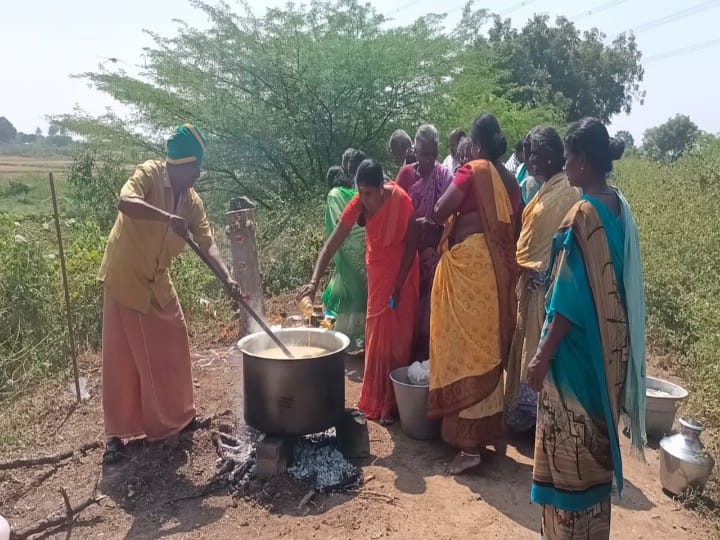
684, 463
294, 396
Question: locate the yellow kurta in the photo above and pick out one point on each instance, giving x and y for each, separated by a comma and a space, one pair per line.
147, 377
135, 268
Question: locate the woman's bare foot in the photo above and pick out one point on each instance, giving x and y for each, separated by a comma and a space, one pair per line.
464, 461
387, 420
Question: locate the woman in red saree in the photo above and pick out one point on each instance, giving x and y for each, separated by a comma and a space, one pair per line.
391, 239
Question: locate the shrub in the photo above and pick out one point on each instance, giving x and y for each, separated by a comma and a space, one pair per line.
289, 242
95, 182
677, 208
33, 333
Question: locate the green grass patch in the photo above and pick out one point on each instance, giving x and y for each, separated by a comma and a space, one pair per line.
28, 194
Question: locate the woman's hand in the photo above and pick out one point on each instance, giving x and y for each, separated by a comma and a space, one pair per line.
536, 372
308, 290
394, 299
430, 233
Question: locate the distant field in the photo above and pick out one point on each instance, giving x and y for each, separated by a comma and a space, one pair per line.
24, 186
13, 165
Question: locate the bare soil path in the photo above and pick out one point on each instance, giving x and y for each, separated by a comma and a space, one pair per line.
166, 490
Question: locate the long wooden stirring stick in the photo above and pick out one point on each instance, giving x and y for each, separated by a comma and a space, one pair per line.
241, 301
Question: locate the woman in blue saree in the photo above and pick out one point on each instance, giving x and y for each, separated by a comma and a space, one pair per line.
590, 364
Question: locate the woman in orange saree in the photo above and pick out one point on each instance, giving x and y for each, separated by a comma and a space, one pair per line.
391, 238
472, 318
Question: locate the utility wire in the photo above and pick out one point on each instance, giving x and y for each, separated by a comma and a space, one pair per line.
506, 11
597, 9
403, 7
682, 50
675, 16
661, 21
516, 7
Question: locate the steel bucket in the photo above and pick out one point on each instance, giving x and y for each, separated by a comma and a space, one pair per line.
660, 410
412, 406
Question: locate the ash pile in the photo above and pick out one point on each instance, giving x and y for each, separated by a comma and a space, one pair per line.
321, 460
318, 460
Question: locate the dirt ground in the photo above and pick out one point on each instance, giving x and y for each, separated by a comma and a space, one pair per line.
166, 490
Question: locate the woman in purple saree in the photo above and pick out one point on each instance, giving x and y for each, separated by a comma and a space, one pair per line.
425, 181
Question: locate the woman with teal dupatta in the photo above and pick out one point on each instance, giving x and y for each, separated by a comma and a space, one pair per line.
345, 296
590, 364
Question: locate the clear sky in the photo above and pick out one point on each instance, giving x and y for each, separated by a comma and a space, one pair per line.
44, 41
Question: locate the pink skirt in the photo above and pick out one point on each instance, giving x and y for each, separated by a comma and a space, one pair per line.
147, 380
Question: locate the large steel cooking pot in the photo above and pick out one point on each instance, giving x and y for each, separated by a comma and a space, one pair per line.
294, 396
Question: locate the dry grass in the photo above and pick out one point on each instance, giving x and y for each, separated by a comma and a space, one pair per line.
11, 166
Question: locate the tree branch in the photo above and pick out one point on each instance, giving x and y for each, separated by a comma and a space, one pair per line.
53, 458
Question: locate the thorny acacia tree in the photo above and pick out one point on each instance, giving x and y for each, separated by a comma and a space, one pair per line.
280, 96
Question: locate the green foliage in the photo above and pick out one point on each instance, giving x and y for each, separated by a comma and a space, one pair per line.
15, 188
28, 194
475, 90
671, 140
201, 295
7, 130
557, 64
33, 331
627, 138
676, 207
289, 243
33, 335
95, 181
280, 96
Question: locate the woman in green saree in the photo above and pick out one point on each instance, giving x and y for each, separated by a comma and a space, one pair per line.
589, 368
345, 296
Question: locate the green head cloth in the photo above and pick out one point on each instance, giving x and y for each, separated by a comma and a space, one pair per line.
186, 145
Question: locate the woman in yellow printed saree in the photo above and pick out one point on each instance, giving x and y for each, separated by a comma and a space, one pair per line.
541, 218
590, 365
472, 317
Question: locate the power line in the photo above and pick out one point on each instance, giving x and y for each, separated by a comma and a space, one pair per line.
597, 9
661, 21
456, 9
683, 50
403, 7
516, 7
675, 16
460, 7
